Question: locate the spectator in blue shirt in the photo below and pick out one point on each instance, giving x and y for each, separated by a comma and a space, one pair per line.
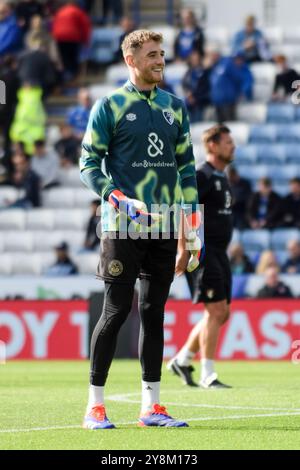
230, 80
251, 42
292, 265
265, 209
190, 37
79, 115
10, 32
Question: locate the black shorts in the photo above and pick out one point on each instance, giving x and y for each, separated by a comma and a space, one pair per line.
213, 282
124, 260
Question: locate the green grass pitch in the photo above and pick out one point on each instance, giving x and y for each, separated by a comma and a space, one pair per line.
42, 404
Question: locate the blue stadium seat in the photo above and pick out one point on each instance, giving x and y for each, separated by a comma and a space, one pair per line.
281, 113
254, 172
281, 188
256, 240
288, 133
271, 154
104, 44
280, 237
292, 153
283, 172
246, 154
297, 113
263, 134
253, 255
281, 256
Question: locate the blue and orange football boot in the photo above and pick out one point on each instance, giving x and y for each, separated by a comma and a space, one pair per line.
97, 419
158, 416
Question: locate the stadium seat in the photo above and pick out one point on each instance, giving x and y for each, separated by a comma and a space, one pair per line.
262, 92
53, 134
281, 188
297, 108
281, 113
253, 255
264, 134
30, 263
69, 177
283, 172
236, 236
291, 51
59, 197
289, 133
169, 34
1, 242
87, 262
292, 153
174, 73
17, 241
116, 75
46, 241
271, 154
263, 72
71, 219
252, 112
104, 44
281, 256
7, 194
253, 172
5, 264
197, 130
256, 240
274, 35
280, 237
217, 35
99, 91
12, 219
40, 219
239, 131
83, 197
246, 154
292, 35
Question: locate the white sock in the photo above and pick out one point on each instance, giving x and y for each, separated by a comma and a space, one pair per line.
184, 357
96, 396
207, 368
150, 395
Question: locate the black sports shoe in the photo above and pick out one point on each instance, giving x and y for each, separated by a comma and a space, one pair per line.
185, 372
213, 383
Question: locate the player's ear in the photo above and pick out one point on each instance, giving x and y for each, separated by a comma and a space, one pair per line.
129, 59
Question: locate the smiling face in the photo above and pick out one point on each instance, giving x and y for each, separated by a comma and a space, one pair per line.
146, 65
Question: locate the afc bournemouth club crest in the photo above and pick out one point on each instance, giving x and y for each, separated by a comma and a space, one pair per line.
169, 116
115, 268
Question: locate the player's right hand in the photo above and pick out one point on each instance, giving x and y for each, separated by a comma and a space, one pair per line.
135, 209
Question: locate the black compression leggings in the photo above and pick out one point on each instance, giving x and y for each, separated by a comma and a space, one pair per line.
117, 305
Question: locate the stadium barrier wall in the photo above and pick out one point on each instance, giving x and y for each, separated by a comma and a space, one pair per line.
257, 330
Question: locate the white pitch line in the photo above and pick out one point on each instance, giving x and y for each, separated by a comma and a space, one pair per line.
207, 418
123, 398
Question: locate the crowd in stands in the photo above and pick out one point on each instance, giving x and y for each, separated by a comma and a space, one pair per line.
43, 48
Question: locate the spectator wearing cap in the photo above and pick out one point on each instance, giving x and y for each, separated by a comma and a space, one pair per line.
274, 288
285, 77
291, 205
265, 210
63, 265
292, 265
67, 147
251, 42
190, 36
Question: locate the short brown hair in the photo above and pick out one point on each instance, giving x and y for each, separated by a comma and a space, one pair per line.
214, 134
136, 39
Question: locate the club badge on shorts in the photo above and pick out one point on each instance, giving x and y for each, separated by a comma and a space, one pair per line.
210, 293
115, 268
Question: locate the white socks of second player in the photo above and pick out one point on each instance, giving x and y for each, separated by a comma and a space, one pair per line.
207, 368
150, 395
184, 357
96, 396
